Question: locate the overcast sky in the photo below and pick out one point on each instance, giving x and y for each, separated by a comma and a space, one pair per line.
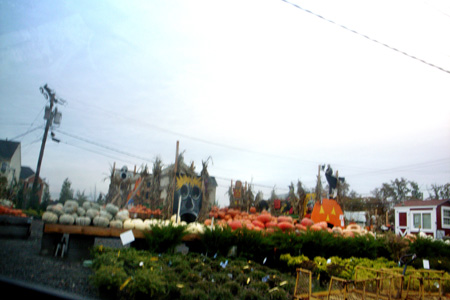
268, 89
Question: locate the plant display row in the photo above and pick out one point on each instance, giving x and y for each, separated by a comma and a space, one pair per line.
346, 268
133, 274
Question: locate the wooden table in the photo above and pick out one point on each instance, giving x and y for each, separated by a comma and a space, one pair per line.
80, 239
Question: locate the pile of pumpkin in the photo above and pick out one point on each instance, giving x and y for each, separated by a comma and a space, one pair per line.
142, 212
235, 219
10, 211
89, 213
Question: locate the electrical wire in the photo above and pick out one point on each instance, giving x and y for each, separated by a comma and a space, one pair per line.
103, 146
27, 132
367, 37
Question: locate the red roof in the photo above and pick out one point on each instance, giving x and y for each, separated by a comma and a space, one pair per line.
423, 203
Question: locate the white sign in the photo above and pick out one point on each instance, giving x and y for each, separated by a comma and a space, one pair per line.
426, 264
127, 237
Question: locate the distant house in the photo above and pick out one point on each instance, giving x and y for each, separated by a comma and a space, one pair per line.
27, 176
430, 216
10, 160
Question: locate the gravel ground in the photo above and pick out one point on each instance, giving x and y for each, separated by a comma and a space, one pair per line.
20, 261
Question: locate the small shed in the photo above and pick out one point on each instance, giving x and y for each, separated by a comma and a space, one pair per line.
431, 217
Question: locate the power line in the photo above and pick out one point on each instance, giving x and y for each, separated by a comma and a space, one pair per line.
367, 37
103, 146
27, 132
407, 167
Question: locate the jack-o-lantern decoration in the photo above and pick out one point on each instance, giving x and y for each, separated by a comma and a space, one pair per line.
329, 211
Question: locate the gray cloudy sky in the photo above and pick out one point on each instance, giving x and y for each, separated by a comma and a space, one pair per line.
267, 89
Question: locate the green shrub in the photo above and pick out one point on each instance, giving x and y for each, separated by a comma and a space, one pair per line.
164, 239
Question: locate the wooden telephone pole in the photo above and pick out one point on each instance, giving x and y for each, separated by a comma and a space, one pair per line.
49, 115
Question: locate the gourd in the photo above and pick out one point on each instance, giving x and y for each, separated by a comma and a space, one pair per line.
264, 218
112, 209
105, 214
83, 221
138, 224
92, 213
57, 209
285, 219
101, 221
122, 215
66, 219
196, 228
70, 206
87, 205
50, 217
128, 224
116, 224
81, 211
285, 226
259, 224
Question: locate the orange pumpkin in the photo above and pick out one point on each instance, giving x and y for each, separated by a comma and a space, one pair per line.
264, 218
258, 223
284, 219
329, 211
285, 226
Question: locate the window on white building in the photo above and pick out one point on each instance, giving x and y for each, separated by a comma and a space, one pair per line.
446, 217
422, 220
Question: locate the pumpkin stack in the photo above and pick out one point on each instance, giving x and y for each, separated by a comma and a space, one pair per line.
90, 213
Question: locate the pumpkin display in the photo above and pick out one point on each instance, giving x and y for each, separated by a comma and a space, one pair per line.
66, 219
100, 221
328, 211
49, 217
83, 221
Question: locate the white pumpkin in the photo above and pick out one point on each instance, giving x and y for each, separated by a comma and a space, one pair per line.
83, 221
128, 224
112, 209
66, 219
49, 217
100, 221
116, 224
92, 213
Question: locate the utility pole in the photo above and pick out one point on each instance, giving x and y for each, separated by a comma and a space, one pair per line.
49, 116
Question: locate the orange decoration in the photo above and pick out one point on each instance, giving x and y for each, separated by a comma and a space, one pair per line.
329, 211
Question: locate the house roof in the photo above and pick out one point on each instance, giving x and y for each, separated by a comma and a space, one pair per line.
7, 148
422, 203
26, 172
